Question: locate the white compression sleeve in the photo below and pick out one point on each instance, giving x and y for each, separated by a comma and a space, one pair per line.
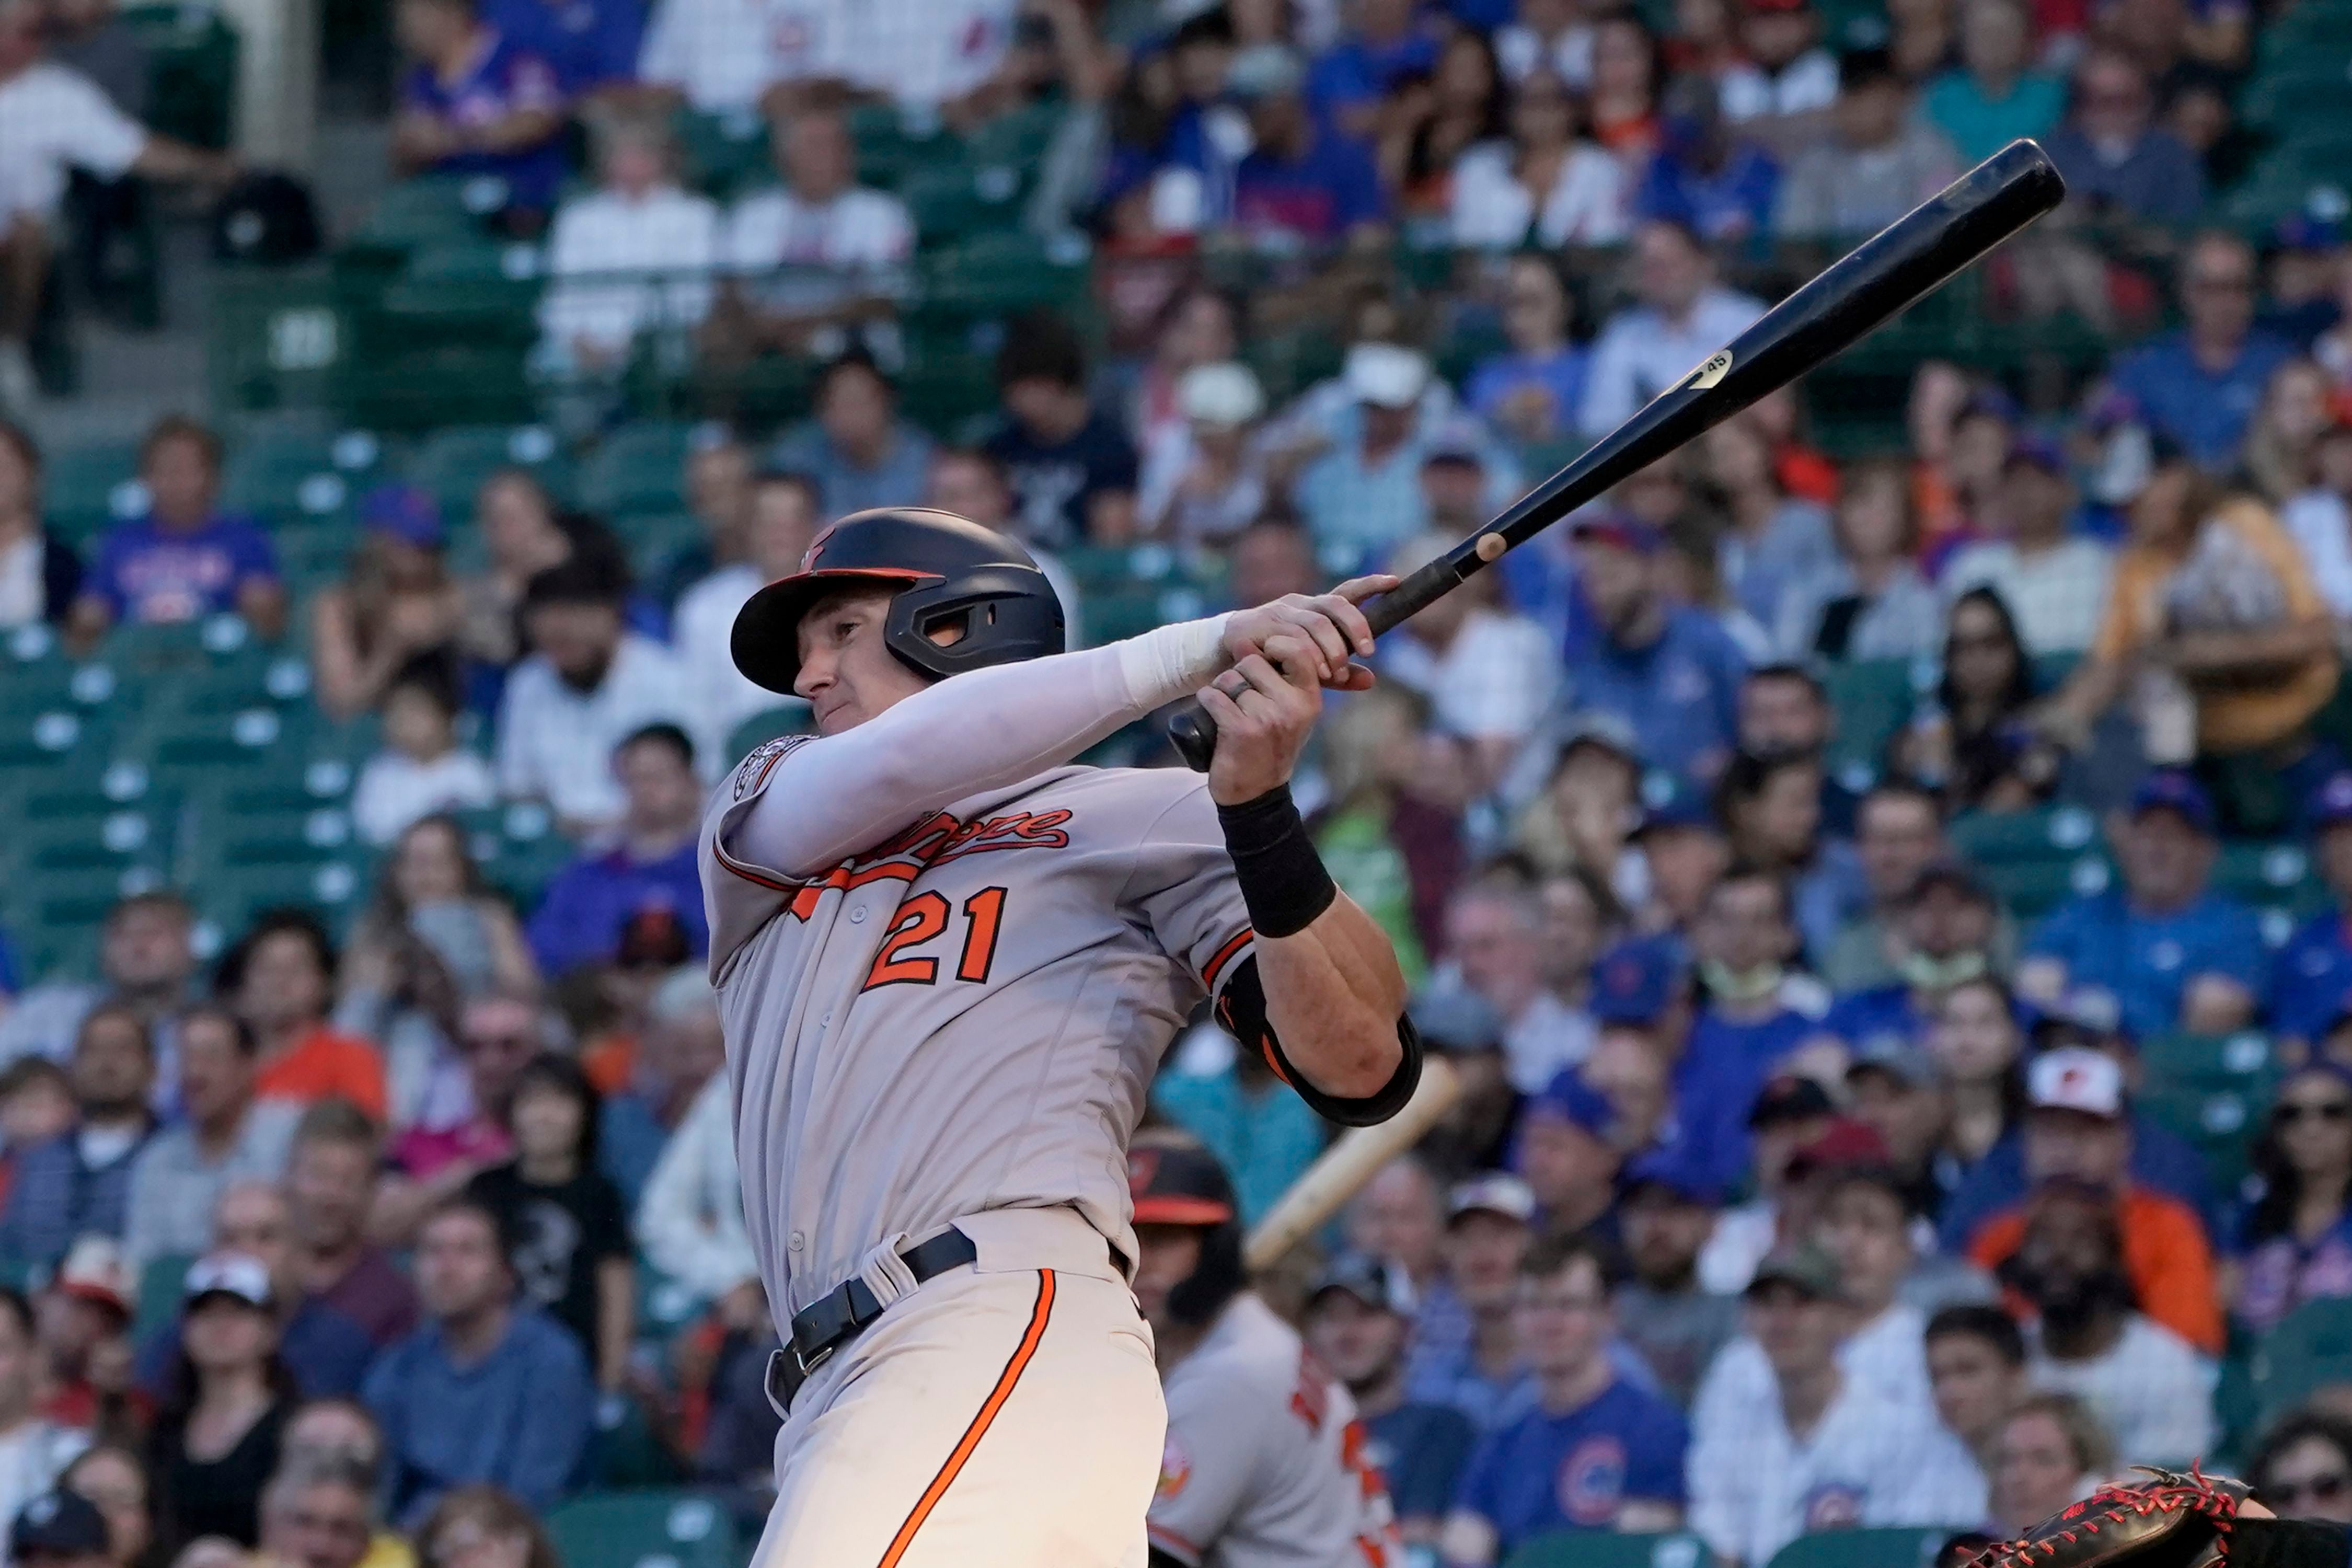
833, 796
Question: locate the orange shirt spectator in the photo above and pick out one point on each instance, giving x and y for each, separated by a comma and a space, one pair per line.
2164, 1252
280, 979
323, 1065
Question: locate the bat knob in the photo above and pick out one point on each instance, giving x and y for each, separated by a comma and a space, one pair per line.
1194, 735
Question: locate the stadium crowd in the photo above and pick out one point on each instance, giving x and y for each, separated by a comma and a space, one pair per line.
1817, 1168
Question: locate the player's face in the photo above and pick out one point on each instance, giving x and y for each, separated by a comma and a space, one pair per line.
1974, 1386
1359, 1343
1168, 1254
1562, 1320
848, 674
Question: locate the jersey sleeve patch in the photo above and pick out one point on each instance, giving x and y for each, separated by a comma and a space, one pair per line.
751, 772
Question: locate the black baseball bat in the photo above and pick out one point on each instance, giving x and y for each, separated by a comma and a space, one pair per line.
1907, 259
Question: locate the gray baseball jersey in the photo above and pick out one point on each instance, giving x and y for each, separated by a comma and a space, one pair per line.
966, 1016
1263, 1464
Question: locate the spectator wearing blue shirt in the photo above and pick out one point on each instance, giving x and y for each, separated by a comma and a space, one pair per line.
590, 44
2176, 954
78, 1183
2201, 384
1531, 392
857, 450
184, 559
1942, 936
1387, 43
1720, 186
1469, 1358
1593, 1452
1357, 1316
1261, 1133
2119, 163
2312, 973
1304, 183
487, 1390
1772, 805
1669, 671
591, 902
478, 102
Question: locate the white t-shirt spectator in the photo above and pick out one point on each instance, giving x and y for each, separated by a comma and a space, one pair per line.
2058, 595
1809, 82
1586, 204
703, 630
53, 119
1497, 680
32, 1458
2153, 1393
861, 230
690, 1219
2322, 524
395, 790
1639, 353
1888, 1353
666, 231
557, 744
925, 52
1520, 50
723, 54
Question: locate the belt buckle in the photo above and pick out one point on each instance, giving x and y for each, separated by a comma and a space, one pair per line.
808, 1363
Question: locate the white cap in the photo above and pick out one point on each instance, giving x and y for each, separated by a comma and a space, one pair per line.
2074, 1078
1225, 394
1495, 1193
1386, 374
228, 1273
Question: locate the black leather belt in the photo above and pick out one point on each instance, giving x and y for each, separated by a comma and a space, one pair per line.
841, 1313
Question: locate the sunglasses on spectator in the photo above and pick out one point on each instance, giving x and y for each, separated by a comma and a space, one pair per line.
2291, 1111
2326, 1487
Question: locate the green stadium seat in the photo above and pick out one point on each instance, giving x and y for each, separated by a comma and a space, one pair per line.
950, 202
87, 486
517, 847
1017, 138
1871, 699
998, 274
473, 288
725, 154
645, 1529
638, 469
430, 210
2031, 889
891, 145
1602, 1549
298, 471
786, 718
397, 384
2217, 1119
1899, 1548
2242, 1060
2051, 833
2310, 1348
453, 462
159, 1291
191, 70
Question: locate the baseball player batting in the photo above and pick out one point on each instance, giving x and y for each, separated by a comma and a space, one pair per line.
947, 964
1263, 1464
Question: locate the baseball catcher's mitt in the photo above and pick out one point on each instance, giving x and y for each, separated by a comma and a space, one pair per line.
2169, 1520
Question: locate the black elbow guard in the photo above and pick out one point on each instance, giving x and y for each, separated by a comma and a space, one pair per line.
1241, 1009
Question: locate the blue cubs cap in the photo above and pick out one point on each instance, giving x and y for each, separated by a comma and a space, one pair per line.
1686, 807
2037, 451
1632, 982
2169, 789
57, 1523
1669, 1173
405, 512
1569, 1099
2331, 803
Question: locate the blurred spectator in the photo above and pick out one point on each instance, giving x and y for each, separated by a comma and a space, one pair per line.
2313, 972
32, 1451
1491, 676
2119, 164
1071, 467
1565, 1152
1231, 1100
472, 1526
1467, 1353
1995, 96
568, 1235
1398, 1217
1197, 326
785, 512
1525, 1477
517, 522
1627, 72
229, 1136
2176, 954
1303, 181
1667, 671
477, 102
280, 978
1684, 316
1545, 184
1976, 1365
1771, 542
54, 119
1380, 43
1898, 833
329, 1189
83, 1327
2054, 581
2078, 1138
1761, 1472
59, 1529
1718, 183
1771, 811
680, 1049
1494, 948
40, 575
1430, 128
1364, 493
2200, 384
1358, 1315
2320, 518
113, 1478
2294, 1243
318, 1513
1784, 711
1871, 602
971, 484
396, 609
2304, 1468
498, 1033
1203, 477
36, 1104
633, 257
340, 1433
650, 866
717, 484
1897, 1090
592, 47
431, 893
1531, 392
857, 451
724, 61
422, 770
184, 559
821, 249
218, 1427
1585, 820
2051, 1453
1663, 1311
690, 1220
2283, 438
489, 1389
2147, 1385
80, 1182
1877, 163
589, 684
1784, 71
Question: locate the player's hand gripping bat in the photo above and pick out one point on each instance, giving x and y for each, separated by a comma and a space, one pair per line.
1906, 260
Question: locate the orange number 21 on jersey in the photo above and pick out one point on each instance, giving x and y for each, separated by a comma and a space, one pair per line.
924, 917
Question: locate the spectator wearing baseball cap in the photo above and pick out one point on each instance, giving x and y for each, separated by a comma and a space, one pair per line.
227, 1378
1684, 853
1475, 1366
84, 1319
2311, 974
1665, 1213
1942, 934
58, 1529
1894, 1086
1784, 71
1305, 181
1475, 1134
1789, 1112
2078, 1129
2052, 578
1358, 1316
2178, 955
1590, 1451
1202, 479
396, 603
1365, 494
1567, 1152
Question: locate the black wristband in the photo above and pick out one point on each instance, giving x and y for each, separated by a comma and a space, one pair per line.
2287, 1544
1283, 882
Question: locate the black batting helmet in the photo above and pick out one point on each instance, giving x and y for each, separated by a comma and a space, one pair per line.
947, 571
1177, 1182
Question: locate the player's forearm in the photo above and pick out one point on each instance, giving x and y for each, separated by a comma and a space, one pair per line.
836, 795
1333, 994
